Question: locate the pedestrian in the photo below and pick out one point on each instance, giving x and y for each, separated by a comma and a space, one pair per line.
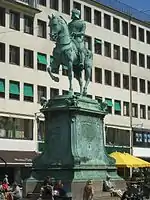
88, 192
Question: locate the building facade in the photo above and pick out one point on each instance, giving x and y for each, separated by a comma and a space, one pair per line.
121, 47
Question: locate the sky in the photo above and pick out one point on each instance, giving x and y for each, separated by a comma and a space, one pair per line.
138, 4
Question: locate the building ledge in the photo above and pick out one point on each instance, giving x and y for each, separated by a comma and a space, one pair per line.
21, 6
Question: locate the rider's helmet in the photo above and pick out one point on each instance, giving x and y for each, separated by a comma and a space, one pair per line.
75, 14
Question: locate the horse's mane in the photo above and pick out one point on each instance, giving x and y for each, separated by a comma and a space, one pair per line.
62, 19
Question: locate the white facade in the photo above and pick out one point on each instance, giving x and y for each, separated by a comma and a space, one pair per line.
27, 110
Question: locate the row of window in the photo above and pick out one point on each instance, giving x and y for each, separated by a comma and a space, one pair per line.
28, 91
120, 137
14, 21
121, 81
122, 108
109, 22
14, 55
119, 53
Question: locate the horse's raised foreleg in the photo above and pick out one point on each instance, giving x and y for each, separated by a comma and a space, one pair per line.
70, 76
87, 80
53, 66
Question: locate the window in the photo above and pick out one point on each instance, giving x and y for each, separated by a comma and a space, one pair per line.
141, 34
41, 92
88, 42
141, 60
16, 128
64, 71
2, 88
54, 4
41, 29
28, 92
14, 20
125, 28
107, 49
133, 31
98, 75
89, 96
2, 16
116, 52
97, 17
148, 37
77, 5
148, 87
107, 21
54, 92
42, 2
134, 110
133, 57
28, 24
41, 61
148, 112
116, 80
142, 111
66, 6
125, 55
126, 108
138, 138
148, 62
108, 77
2, 52
142, 85
125, 82
28, 58
117, 107
14, 90
134, 84
98, 46
87, 14
65, 92
14, 55
90, 76
109, 105
117, 137
99, 99
116, 25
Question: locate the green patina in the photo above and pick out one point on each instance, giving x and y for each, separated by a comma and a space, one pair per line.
74, 139
74, 145
70, 50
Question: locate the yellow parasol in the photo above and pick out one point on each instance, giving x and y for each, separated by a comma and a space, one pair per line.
142, 163
127, 160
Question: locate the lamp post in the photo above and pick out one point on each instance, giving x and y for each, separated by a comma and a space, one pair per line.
130, 90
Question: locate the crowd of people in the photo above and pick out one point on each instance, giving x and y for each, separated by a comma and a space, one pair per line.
8, 192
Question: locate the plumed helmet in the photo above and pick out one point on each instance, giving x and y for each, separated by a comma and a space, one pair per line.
76, 13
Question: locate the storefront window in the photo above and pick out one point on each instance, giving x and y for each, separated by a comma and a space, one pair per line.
141, 138
117, 137
16, 128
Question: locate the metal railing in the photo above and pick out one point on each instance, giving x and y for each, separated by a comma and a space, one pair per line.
128, 10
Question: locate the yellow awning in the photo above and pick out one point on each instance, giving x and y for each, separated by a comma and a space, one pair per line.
143, 163
127, 160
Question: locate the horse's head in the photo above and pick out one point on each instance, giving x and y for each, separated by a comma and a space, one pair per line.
57, 25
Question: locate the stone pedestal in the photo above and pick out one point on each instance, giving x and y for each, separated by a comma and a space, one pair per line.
74, 144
